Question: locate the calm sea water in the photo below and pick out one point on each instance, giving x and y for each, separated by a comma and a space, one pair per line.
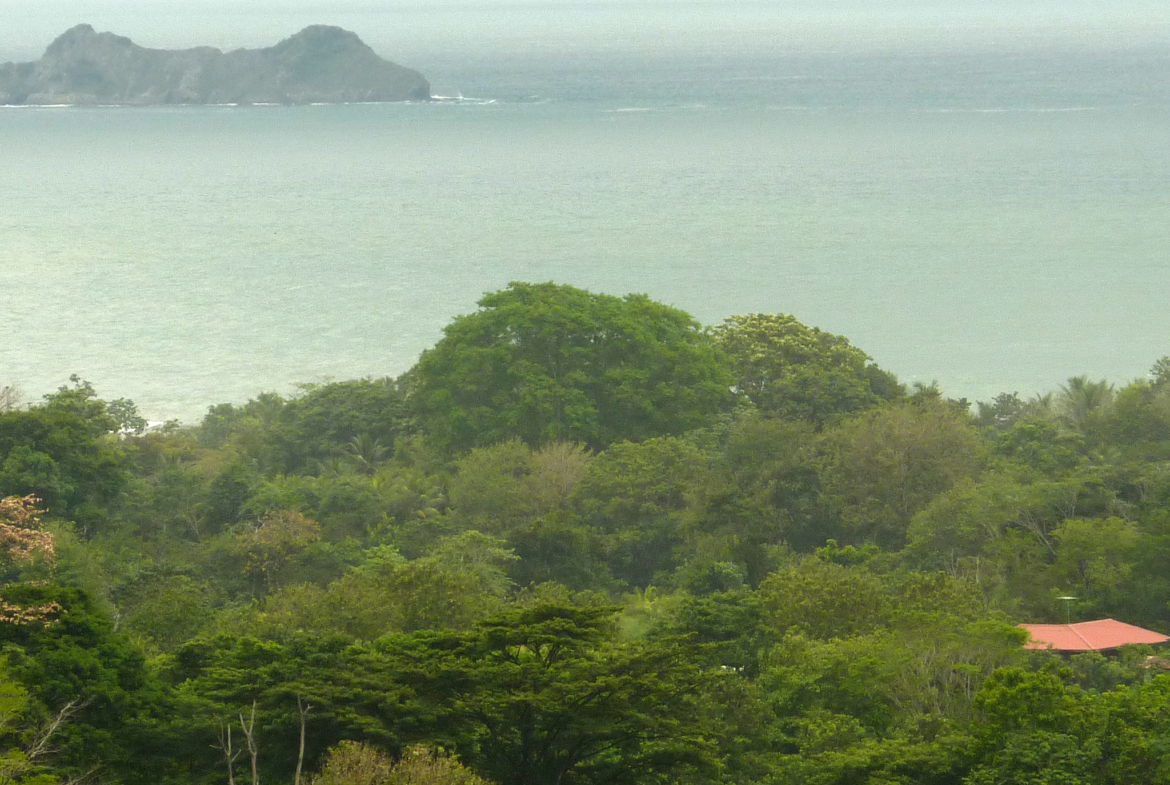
993, 219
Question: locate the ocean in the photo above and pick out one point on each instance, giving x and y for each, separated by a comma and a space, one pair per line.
990, 217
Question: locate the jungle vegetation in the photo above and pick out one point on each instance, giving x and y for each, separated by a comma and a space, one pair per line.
587, 541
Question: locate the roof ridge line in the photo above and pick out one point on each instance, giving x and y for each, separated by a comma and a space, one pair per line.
1076, 632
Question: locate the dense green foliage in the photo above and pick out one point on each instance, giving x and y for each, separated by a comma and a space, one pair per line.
548, 363
585, 541
799, 372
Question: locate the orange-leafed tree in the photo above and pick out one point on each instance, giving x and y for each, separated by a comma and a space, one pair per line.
23, 540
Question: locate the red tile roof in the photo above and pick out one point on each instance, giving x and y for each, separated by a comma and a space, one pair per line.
1088, 635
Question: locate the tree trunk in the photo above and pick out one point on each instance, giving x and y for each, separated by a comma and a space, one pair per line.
303, 710
250, 734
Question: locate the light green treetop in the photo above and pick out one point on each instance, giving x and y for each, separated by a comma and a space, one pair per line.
787, 368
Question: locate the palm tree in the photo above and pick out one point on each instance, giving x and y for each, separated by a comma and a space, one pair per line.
334, 467
1040, 407
1080, 398
1161, 371
365, 452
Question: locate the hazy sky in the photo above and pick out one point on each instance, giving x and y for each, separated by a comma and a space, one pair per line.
397, 27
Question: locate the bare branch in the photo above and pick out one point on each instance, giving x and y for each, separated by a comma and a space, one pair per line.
40, 744
249, 728
225, 746
81, 779
11, 398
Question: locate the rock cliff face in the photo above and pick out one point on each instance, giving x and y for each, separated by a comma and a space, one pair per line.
317, 65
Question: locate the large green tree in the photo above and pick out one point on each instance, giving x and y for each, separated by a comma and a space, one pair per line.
787, 368
534, 695
883, 466
545, 362
351, 419
92, 677
61, 458
638, 496
543, 694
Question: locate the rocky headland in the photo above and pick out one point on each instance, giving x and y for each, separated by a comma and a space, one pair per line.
320, 64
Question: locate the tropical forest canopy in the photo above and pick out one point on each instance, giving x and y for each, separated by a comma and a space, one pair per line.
587, 541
